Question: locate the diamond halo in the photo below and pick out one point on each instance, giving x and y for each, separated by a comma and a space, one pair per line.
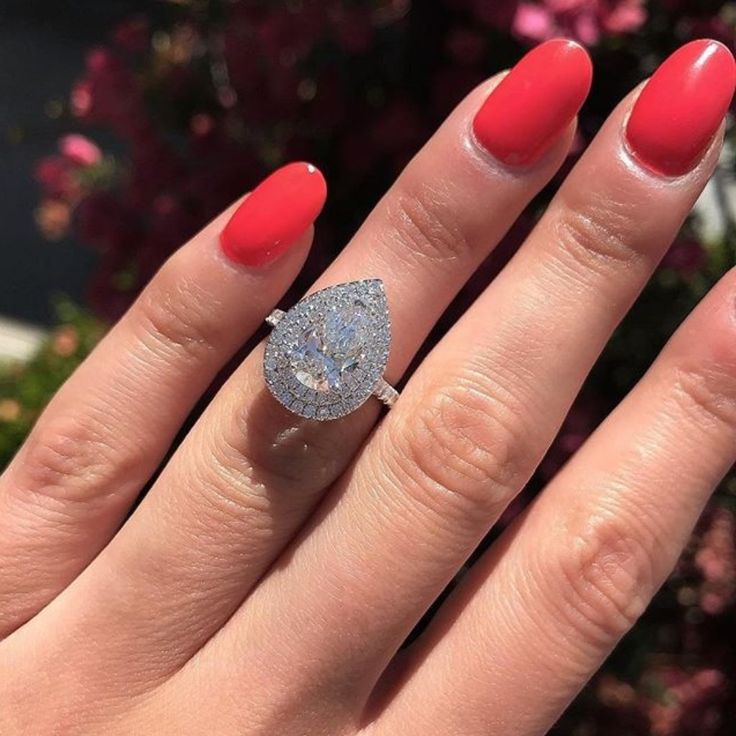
327, 354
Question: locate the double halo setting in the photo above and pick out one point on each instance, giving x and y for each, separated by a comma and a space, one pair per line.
326, 355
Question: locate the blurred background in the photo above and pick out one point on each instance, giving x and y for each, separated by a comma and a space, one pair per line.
126, 125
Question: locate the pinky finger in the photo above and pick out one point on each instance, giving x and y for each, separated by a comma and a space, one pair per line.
540, 612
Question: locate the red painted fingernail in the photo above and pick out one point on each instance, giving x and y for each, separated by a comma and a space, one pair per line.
274, 215
532, 106
681, 107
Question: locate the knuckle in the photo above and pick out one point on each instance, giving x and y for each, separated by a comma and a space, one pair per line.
71, 458
462, 451
175, 315
707, 395
608, 570
427, 226
597, 237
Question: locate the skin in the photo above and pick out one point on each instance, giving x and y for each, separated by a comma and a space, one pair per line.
267, 580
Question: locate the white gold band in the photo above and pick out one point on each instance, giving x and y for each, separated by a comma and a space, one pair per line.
386, 393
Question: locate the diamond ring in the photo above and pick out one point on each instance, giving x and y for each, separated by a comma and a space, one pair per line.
327, 354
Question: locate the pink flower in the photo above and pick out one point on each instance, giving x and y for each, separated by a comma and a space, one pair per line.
133, 35
716, 561
624, 17
109, 94
584, 20
55, 176
534, 22
80, 150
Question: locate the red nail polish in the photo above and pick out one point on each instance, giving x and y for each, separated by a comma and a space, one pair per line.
273, 216
532, 106
681, 107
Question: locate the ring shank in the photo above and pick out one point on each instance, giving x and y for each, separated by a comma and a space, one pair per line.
386, 393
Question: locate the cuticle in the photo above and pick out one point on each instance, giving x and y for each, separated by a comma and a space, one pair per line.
482, 155
634, 161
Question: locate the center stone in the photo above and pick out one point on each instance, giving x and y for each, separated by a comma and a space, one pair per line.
331, 348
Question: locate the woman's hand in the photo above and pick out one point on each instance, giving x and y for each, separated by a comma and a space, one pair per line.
268, 578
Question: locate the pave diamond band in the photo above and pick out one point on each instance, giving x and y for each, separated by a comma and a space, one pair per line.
385, 392
326, 355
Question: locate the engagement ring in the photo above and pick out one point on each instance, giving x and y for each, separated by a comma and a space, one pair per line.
327, 354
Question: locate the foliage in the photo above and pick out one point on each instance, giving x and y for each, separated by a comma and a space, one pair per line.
203, 107
25, 389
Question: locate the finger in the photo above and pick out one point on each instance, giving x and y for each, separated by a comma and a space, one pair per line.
477, 416
571, 577
107, 429
250, 472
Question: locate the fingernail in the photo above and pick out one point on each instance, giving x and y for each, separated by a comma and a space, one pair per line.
274, 215
681, 108
534, 104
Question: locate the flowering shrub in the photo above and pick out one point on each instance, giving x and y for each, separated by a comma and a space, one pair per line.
584, 20
203, 108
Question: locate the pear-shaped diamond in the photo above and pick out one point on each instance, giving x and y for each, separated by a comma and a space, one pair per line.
326, 355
